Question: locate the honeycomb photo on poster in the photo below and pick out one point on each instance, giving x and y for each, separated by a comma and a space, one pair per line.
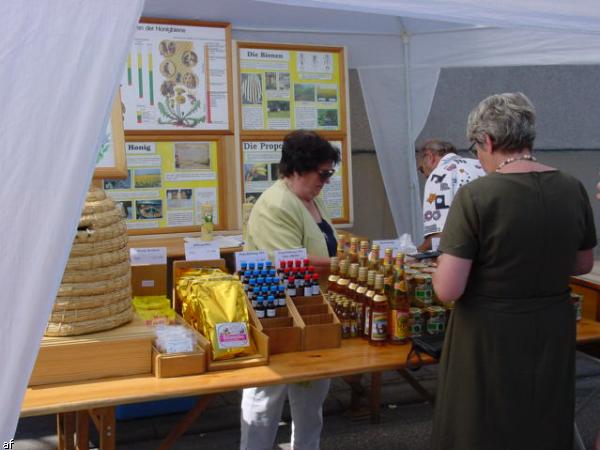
148, 209
277, 109
147, 178
256, 172
304, 92
110, 183
179, 199
192, 156
327, 118
252, 197
126, 207
251, 88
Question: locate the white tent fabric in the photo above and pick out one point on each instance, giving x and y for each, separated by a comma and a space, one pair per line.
61, 59
60, 62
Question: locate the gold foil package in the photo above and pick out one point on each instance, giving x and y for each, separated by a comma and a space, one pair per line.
214, 303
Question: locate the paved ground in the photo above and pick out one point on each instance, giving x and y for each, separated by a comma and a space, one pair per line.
405, 420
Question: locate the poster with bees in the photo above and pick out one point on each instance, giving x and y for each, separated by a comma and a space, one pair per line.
169, 185
287, 88
260, 169
177, 78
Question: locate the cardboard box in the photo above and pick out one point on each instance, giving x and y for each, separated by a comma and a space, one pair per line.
320, 326
149, 280
123, 351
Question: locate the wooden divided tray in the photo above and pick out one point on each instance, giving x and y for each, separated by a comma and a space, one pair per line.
284, 331
320, 326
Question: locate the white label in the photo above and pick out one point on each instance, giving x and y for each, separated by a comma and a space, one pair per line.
149, 255
232, 335
147, 283
394, 244
435, 243
201, 251
285, 255
178, 345
255, 256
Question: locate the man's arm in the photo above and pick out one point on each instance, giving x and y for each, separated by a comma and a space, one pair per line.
426, 245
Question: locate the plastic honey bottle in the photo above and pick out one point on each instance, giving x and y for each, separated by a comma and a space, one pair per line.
378, 317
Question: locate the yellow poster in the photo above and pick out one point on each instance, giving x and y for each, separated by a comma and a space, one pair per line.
167, 184
289, 89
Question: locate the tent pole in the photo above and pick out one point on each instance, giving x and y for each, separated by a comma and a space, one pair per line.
410, 144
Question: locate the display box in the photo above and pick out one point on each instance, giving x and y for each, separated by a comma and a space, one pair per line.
284, 331
261, 340
149, 280
168, 365
123, 351
320, 326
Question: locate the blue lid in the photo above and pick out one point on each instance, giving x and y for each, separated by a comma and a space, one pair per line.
260, 298
268, 264
260, 280
268, 280
253, 281
251, 266
281, 288
255, 273
247, 273
265, 289
273, 272
264, 272
270, 298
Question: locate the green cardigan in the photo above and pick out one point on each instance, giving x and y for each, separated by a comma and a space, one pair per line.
279, 220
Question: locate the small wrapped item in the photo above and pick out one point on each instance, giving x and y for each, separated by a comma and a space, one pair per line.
154, 309
214, 303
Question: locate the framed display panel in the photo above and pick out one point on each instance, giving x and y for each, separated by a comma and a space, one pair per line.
260, 158
168, 180
111, 161
288, 87
177, 78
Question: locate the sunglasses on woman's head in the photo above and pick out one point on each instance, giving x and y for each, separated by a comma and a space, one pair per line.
472, 149
325, 174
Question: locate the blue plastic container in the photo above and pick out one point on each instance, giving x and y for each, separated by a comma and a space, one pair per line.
155, 408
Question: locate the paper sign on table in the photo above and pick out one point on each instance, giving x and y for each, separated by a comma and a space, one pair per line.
394, 244
285, 255
250, 256
201, 251
148, 256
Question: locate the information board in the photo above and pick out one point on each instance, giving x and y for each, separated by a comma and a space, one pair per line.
287, 88
260, 169
177, 77
168, 182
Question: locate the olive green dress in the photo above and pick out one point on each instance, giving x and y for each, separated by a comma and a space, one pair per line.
507, 371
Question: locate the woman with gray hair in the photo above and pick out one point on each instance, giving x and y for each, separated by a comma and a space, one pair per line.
511, 241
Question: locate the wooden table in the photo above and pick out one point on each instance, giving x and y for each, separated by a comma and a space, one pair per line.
76, 403
588, 285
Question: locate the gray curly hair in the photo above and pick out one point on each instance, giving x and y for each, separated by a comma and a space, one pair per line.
508, 119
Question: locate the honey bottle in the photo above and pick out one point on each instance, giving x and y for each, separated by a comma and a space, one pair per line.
343, 281
353, 252
399, 320
367, 302
363, 254
374, 257
378, 317
352, 285
361, 290
334, 268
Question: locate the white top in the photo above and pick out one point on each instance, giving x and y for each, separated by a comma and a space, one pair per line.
451, 173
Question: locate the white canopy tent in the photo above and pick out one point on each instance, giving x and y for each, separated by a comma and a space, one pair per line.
61, 59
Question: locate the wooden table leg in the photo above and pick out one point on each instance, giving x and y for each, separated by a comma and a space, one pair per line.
416, 385
375, 397
187, 420
104, 419
82, 429
65, 428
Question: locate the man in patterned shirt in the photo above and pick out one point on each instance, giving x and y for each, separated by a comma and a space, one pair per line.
445, 172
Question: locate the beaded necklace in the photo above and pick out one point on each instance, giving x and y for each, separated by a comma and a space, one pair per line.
512, 160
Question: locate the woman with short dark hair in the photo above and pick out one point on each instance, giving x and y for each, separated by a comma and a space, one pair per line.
290, 215
511, 241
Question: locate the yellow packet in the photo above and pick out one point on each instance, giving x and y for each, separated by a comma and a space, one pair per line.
151, 302
214, 303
